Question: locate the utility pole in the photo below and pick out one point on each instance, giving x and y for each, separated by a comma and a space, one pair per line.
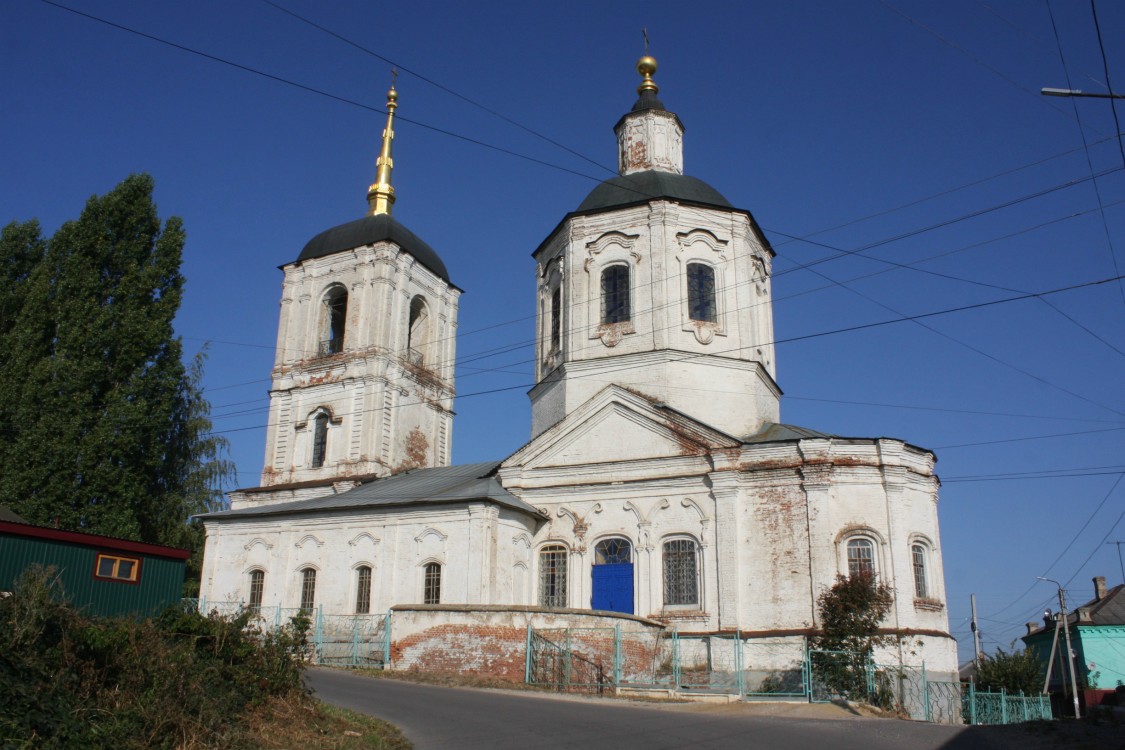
1069, 650
1119, 543
976, 632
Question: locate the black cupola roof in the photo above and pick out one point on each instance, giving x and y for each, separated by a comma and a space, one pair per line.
367, 231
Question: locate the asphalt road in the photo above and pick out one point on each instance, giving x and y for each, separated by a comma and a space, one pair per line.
444, 717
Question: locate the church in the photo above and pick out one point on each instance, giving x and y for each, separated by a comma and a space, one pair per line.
658, 485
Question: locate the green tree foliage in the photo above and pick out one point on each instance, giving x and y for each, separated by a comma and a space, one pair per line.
1019, 671
105, 430
851, 612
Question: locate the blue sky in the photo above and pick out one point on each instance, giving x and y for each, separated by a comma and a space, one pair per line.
912, 132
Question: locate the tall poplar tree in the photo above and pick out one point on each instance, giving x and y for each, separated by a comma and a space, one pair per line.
104, 429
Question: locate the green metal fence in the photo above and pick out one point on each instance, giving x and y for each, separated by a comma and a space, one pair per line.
346, 640
981, 707
588, 659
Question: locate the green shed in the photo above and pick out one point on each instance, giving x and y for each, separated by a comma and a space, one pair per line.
99, 575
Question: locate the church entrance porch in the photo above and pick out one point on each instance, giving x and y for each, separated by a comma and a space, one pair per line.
612, 576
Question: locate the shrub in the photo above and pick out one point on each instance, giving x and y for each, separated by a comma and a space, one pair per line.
181, 679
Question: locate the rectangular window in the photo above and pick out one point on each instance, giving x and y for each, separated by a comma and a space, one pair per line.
919, 555
681, 573
701, 292
556, 319
308, 588
431, 587
861, 558
363, 591
257, 586
117, 568
615, 295
552, 576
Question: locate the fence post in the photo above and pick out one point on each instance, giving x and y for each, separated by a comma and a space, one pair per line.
566, 660
527, 657
806, 669
676, 656
926, 692
387, 641
1003, 705
319, 633
972, 703
738, 659
355, 640
617, 655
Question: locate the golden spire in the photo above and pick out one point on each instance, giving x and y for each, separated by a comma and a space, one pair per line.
381, 196
646, 66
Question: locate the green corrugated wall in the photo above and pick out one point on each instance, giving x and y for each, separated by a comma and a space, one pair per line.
161, 580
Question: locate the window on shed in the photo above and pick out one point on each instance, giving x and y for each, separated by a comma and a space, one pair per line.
681, 572
320, 440
861, 558
117, 568
701, 292
552, 576
615, 294
918, 554
257, 586
335, 321
431, 586
363, 590
308, 588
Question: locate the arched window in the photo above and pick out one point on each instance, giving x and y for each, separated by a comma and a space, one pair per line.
335, 316
615, 294
320, 440
613, 552
552, 576
918, 557
363, 590
418, 331
431, 584
257, 586
701, 292
681, 572
556, 319
308, 588
861, 558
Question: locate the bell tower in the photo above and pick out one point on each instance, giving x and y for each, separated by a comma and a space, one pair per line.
362, 383
658, 284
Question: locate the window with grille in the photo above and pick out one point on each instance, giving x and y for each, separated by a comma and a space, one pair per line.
556, 319
363, 590
552, 576
918, 553
308, 588
681, 573
701, 292
861, 558
320, 440
431, 586
117, 568
257, 587
615, 294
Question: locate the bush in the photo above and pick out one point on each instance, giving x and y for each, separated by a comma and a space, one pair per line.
179, 680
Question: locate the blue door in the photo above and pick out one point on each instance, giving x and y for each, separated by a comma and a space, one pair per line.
613, 576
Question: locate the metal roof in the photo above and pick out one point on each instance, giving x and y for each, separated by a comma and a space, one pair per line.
436, 486
641, 187
367, 231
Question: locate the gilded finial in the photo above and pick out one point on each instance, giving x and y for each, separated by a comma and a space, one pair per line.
646, 66
381, 196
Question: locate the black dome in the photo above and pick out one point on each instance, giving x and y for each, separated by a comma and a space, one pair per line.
369, 230
640, 187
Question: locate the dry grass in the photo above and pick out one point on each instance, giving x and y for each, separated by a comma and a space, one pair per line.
301, 722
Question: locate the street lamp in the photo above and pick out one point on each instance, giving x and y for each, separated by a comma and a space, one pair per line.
1077, 92
1069, 650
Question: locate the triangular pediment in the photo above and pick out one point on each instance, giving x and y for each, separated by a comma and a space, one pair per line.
618, 425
